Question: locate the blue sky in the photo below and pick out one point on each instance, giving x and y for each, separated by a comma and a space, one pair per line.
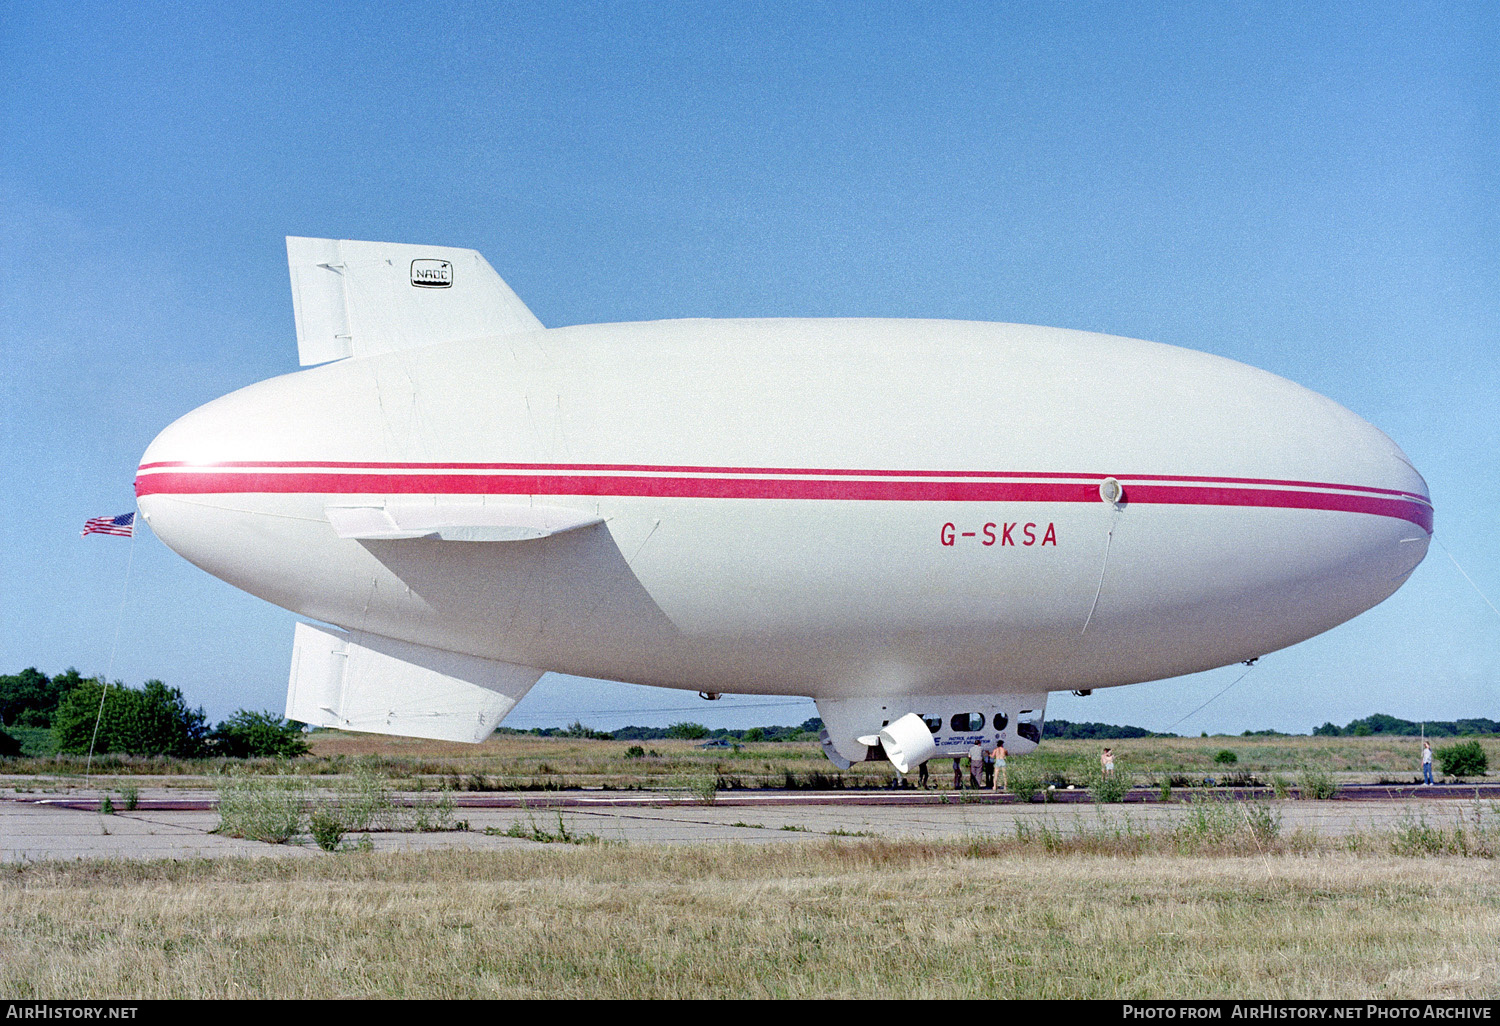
1309, 189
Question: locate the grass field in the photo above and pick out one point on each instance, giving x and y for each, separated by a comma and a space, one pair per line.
986, 918
525, 762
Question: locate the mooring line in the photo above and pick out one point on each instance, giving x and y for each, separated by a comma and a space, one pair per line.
1466, 575
1205, 705
1108, 540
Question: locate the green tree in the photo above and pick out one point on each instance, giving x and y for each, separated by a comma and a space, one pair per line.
152, 720
688, 731
577, 729
249, 734
29, 698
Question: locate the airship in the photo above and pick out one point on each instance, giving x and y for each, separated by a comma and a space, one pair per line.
926, 526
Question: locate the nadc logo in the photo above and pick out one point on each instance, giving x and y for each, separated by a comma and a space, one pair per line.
432, 274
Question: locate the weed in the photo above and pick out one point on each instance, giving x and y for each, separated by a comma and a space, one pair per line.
794, 827
1044, 835
363, 801
706, 788
131, 796
1209, 821
1024, 781
1477, 838
1316, 783
269, 810
327, 829
1281, 786
1263, 822
1109, 788
1414, 837
429, 818
1164, 790
106, 807
533, 832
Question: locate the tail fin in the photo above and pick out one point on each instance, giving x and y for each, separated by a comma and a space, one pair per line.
363, 298
364, 682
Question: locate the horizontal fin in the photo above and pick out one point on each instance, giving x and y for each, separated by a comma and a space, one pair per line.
365, 682
455, 523
363, 298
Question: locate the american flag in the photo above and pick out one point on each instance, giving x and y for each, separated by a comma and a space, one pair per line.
123, 525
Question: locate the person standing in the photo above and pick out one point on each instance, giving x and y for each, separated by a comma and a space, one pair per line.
1002, 780
922, 777
976, 764
1107, 762
1426, 764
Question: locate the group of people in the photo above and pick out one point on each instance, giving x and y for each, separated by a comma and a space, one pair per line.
987, 768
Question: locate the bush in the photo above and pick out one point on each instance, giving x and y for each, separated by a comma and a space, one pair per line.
258, 734
1466, 759
1226, 757
154, 720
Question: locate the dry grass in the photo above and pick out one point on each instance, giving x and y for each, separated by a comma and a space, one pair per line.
990, 918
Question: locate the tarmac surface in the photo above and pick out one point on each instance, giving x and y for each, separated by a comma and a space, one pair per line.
37, 824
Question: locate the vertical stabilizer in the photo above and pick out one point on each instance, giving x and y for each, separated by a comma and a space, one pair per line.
362, 298
364, 682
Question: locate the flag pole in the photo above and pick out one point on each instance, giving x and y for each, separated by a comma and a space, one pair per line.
113, 648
